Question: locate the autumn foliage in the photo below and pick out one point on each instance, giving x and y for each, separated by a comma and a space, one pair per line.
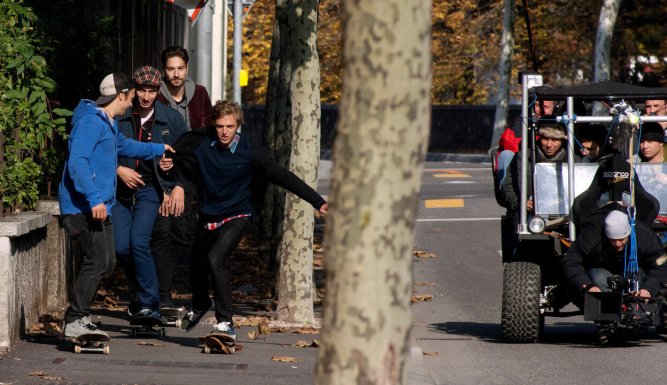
465, 45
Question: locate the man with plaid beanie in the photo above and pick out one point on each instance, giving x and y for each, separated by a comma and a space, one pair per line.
144, 190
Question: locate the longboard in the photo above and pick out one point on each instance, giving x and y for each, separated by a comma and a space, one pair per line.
219, 343
90, 343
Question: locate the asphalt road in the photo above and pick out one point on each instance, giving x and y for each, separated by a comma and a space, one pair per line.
459, 330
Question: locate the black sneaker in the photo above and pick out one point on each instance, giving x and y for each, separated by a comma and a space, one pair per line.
148, 316
133, 308
192, 318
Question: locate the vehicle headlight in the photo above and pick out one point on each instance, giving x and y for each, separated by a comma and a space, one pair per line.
536, 225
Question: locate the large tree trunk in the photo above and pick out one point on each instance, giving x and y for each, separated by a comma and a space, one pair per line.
504, 72
606, 23
380, 147
295, 282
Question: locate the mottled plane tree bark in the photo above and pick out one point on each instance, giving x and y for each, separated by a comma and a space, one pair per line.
606, 23
295, 253
380, 147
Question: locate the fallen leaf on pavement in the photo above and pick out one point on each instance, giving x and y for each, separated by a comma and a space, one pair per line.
306, 344
422, 297
425, 284
283, 359
45, 376
144, 343
423, 254
430, 353
252, 335
306, 331
251, 321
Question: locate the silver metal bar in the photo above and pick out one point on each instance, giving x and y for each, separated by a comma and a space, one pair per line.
523, 191
570, 160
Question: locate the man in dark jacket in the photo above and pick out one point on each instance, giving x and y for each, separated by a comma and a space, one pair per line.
592, 258
141, 188
226, 165
173, 235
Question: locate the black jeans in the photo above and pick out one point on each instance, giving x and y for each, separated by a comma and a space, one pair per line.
172, 240
211, 249
94, 241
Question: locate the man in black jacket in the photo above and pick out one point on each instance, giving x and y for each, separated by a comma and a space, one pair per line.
226, 166
593, 258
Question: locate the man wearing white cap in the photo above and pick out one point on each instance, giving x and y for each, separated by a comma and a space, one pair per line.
87, 190
588, 267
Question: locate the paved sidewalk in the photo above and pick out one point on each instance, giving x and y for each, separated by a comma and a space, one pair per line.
174, 359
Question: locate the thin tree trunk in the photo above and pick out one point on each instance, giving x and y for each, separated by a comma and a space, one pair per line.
266, 217
379, 152
295, 284
283, 124
606, 23
504, 72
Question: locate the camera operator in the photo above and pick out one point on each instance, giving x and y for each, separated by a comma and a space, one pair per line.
592, 258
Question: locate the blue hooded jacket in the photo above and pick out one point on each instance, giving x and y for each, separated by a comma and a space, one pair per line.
89, 176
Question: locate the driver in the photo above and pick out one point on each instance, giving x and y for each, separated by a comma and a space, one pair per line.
593, 258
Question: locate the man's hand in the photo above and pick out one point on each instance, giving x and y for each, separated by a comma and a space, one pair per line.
164, 207
100, 212
177, 201
169, 148
530, 206
594, 289
166, 164
324, 209
131, 178
643, 293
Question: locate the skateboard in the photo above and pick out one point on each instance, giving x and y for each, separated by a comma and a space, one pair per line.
147, 326
219, 343
90, 343
173, 315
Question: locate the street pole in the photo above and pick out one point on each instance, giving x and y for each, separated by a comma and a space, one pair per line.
238, 41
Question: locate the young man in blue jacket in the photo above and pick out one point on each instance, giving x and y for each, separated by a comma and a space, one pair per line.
228, 169
142, 187
87, 190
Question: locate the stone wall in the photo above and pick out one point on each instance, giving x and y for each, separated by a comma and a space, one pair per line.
33, 270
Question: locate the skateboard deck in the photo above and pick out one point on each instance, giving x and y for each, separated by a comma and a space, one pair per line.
173, 315
219, 343
90, 343
147, 326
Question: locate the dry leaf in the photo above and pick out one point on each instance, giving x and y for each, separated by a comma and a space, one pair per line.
251, 321
306, 344
45, 376
252, 335
425, 284
423, 254
432, 354
422, 297
283, 359
315, 344
306, 331
144, 343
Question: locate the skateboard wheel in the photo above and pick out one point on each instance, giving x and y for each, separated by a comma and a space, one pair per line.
207, 350
106, 349
177, 323
77, 349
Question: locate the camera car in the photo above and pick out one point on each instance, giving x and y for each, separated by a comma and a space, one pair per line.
533, 244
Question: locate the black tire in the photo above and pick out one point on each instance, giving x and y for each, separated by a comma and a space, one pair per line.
521, 318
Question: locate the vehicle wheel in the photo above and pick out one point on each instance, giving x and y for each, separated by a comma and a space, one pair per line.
521, 318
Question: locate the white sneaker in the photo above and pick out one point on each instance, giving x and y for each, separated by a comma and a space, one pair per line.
225, 328
77, 328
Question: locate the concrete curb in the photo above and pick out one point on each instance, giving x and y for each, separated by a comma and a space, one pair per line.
418, 373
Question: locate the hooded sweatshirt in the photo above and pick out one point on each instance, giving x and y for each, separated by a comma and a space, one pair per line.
198, 104
89, 176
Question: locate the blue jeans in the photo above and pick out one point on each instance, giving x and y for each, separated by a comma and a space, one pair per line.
133, 228
599, 277
93, 243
